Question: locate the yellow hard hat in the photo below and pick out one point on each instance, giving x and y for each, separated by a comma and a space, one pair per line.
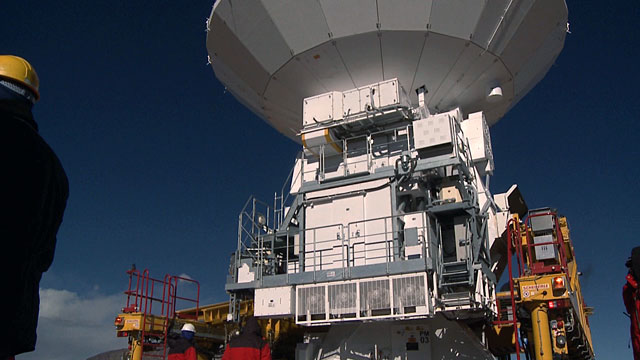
18, 70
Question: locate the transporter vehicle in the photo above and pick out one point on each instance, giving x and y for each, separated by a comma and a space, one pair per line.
385, 241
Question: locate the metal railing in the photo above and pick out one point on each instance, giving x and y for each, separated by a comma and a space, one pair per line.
341, 247
360, 154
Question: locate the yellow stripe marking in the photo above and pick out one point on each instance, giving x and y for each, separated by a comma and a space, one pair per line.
330, 141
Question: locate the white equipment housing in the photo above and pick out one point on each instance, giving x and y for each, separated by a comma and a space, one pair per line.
387, 215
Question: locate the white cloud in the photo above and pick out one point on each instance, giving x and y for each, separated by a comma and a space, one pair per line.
186, 276
186, 289
72, 326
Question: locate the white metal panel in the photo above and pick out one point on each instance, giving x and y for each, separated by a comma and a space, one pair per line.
369, 96
432, 131
489, 21
438, 56
351, 102
378, 203
545, 252
442, 98
325, 64
321, 108
301, 22
476, 81
456, 18
296, 77
222, 9
349, 209
297, 177
495, 113
401, 54
274, 301
541, 19
225, 45
324, 244
351, 17
322, 238
514, 16
378, 228
475, 94
346, 189
389, 92
361, 56
255, 28
404, 14
245, 274
278, 96
282, 118
240, 89
357, 164
477, 133
532, 71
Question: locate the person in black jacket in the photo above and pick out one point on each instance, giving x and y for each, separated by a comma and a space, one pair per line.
33, 193
183, 347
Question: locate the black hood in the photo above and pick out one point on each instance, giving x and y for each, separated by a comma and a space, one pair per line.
252, 327
633, 263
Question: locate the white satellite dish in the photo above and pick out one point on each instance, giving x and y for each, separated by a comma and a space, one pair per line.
272, 54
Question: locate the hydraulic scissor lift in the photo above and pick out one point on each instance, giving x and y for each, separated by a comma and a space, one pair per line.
543, 315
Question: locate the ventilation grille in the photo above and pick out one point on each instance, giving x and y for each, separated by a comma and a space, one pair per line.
343, 299
311, 301
408, 293
376, 298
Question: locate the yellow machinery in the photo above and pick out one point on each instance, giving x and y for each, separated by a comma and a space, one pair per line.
550, 313
150, 317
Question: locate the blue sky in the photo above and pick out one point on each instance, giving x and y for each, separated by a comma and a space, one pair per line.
160, 159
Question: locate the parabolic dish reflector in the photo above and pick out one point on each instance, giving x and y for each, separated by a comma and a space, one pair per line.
272, 54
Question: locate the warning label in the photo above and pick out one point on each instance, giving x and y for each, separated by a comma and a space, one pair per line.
535, 287
133, 323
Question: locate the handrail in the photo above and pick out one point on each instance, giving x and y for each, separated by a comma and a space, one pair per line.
144, 296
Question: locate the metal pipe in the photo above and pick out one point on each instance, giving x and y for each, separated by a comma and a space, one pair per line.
136, 350
541, 334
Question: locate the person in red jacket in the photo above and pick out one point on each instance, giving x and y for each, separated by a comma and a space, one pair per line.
631, 298
183, 347
249, 345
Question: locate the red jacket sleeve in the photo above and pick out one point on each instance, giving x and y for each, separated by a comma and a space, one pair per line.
226, 355
627, 296
190, 354
265, 353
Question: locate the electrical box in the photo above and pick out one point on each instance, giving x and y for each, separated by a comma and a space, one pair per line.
432, 131
450, 193
322, 108
277, 301
415, 233
542, 223
476, 131
544, 252
372, 97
